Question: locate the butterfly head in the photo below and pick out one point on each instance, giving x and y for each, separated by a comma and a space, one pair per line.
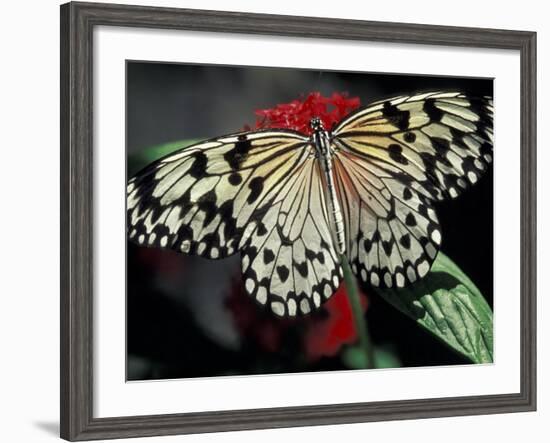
316, 124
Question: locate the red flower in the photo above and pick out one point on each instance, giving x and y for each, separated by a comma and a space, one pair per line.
297, 114
325, 336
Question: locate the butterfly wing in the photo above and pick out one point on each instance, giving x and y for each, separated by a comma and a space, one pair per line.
391, 229
200, 199
443, 141
393, 160
240, 193
290, 262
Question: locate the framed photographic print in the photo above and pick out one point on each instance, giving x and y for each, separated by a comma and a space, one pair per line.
274, 221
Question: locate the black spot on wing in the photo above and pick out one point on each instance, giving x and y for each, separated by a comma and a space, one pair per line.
310, 255
198, 167
207, 204
236, 156
433, 112
252, 251
387, 246
256, 187
396, 154
261, 230
410, 219
302, 268
395, 116
235, 179
226, 214
441, 145
321, 258
283, 272
410, 137
405, 241
269, 256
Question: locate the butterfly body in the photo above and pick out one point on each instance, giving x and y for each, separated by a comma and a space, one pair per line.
294, 206
321, 139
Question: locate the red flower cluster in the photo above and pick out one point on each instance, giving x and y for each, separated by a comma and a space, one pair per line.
297, 114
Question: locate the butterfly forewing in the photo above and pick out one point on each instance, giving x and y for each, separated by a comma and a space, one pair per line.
441, 140
200, 199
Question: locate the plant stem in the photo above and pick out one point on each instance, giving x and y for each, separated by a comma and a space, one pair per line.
358, 316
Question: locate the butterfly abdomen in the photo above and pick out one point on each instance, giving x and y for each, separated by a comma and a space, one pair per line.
322, 143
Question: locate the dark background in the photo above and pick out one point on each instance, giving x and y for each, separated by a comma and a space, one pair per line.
187, 316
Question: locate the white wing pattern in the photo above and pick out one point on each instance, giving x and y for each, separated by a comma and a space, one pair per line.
258, 193
263, 194
393, 159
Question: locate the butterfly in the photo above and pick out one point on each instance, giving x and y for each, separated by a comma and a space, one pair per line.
295, 205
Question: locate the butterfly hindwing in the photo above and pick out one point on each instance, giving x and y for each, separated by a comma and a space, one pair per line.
291, 263
392, 230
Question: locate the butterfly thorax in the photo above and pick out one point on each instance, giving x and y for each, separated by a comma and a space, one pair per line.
324, 152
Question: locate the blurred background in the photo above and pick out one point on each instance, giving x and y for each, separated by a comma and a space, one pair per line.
190, 317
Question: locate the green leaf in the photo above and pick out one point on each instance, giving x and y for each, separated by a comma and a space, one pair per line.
149, 155
448, 304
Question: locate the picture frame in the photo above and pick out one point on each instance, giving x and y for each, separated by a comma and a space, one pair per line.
78, 21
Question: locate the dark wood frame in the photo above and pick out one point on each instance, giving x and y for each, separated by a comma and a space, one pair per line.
77, 23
